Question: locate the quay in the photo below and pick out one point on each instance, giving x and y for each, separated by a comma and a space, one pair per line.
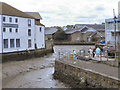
86, 74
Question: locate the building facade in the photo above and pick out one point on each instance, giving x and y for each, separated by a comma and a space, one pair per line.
19, 30
86, 33
110, 31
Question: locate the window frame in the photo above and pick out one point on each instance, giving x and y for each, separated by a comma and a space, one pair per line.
29, 43
5, 45
12, 45
18, 44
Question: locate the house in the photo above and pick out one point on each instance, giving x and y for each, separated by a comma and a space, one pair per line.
49, 32
39, 33
109, 31
19, 30
86, 33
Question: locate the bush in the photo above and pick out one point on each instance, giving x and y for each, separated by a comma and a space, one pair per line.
59, 35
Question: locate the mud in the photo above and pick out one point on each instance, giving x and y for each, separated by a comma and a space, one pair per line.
32, 73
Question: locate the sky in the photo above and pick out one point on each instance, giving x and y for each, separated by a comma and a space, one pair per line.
68, 12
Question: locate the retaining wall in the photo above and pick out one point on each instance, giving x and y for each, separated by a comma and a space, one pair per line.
25, 55
78, 77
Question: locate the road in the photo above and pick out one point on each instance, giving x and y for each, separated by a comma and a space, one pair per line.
32, 73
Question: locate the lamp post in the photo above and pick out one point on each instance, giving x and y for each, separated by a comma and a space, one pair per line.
115, 33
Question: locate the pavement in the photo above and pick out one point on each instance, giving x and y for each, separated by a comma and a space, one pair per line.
100, 68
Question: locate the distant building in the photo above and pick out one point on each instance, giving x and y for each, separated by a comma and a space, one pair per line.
86, 33
109, 31
49, 32
19, 30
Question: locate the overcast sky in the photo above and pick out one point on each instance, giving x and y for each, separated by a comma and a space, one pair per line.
68, 12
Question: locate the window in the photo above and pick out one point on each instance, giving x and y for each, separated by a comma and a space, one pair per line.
4, 29
4, 19
10, 29
29, 43
17, 42
11, 43
40, 29
29, 32
16, 20
5, 43
29, 22
16, 30
10, 19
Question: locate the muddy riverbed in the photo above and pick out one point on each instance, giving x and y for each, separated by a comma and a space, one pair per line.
32, 73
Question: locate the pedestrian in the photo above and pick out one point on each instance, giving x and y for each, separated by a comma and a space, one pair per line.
98, 51
90, 52
93, 52
74, 56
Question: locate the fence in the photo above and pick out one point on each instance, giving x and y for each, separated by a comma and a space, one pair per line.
83, 54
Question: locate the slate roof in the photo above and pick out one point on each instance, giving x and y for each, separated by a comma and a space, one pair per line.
6, 9
93, 33
98, 27
51, 30
70, 31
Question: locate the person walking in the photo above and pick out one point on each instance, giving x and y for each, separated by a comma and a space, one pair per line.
93, 52
90, 52
98, 51
74, 56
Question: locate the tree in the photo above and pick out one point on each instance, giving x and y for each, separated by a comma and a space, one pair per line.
59, 35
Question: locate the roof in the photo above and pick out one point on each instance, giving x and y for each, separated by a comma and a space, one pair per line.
38, 23
11, 11
36, 15
98, 27
93, 33
51, 30
70, 31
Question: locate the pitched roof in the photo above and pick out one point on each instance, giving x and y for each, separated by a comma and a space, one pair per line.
51, 30
11, 11
38, 23
93, 33
36, 15
98, 27
70, 31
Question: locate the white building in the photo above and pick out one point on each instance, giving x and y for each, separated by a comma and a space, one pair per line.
110, 29
19, 31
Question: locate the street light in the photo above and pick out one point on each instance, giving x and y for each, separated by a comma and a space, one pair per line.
115, 30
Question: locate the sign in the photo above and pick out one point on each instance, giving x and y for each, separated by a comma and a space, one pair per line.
10, 25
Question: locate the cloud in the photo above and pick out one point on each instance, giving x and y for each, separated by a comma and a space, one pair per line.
100, 8
63, 12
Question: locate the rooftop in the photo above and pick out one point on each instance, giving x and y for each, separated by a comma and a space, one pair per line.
11, 11
36, 15
51, 30
98, 27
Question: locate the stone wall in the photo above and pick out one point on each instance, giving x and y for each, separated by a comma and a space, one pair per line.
78, 77
25, 55
49, 44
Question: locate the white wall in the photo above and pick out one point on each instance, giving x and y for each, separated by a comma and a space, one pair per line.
0, 34
40, 36
22, 34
